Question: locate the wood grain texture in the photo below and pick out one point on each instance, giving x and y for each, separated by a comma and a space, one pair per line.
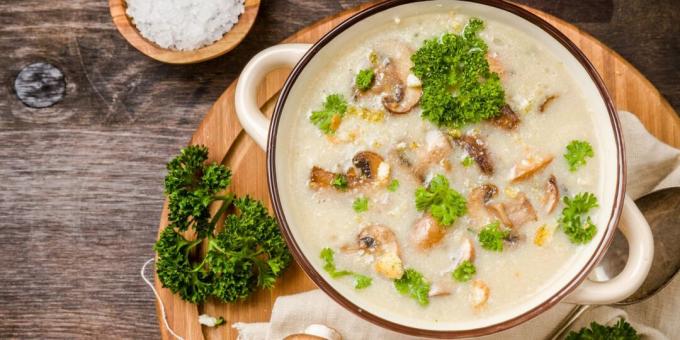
221, 132
228, 42
81, 181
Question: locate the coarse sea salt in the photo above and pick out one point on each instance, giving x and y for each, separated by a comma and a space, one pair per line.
184, 24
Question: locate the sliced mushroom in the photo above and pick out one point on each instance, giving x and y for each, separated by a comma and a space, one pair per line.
381, 241
369, 167
440, 288
552, 195
516, 212
479, 293
529, 166
320, 178
427, 232
508, 119
466, 251
548, 100
477, 202
391, 78
476, 148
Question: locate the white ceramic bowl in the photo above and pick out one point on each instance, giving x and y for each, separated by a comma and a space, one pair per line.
569, 284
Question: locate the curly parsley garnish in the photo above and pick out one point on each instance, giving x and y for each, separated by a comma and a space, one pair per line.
464, 271
414, 285
467, 161
394, 185
571, 220
327, 255
328, 119
443, 203
577, 152
364, 79
248, 253
491, 237
622, 330
458, 86
360, 204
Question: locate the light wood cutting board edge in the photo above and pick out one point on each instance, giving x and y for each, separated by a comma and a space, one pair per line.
221, 132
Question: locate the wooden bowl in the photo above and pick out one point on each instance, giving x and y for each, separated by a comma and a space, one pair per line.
230, 40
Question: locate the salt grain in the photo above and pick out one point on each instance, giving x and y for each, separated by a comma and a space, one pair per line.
184, 24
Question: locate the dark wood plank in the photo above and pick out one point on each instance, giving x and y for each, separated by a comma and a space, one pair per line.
81, 181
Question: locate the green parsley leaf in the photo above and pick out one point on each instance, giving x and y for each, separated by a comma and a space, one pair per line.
394, 185
622, 330
328, 119
364, 79
360, 281
414, 285
360, 204
467, 161
443, 203
339, 182
571, 220
491, 237
458, 86
464, 271
577, 152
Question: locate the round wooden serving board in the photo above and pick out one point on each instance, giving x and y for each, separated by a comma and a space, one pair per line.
228, 143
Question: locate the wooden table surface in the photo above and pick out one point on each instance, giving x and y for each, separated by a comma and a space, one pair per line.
81, 180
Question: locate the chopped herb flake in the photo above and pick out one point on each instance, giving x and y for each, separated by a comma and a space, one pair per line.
394, 185
360, 204
467, 161
340, 182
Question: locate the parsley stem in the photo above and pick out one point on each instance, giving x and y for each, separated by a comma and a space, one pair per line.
226, 203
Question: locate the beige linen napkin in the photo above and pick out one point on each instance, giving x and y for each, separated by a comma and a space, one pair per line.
652, 165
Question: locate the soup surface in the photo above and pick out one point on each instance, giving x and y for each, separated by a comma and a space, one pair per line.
431, 164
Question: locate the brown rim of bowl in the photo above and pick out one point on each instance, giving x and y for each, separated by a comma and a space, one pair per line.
330, 291
228, 42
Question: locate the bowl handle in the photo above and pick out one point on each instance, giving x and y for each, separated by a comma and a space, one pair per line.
252, 119
640, 254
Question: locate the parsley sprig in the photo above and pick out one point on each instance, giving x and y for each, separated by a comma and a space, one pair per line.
364, 79
464, 271
491, 236
329, 117
327, 255
571, 220
248, 253
577, 153
443, 203
414, 285
622, 330
458, 86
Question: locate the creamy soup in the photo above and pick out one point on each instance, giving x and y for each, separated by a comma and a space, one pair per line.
485, 233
